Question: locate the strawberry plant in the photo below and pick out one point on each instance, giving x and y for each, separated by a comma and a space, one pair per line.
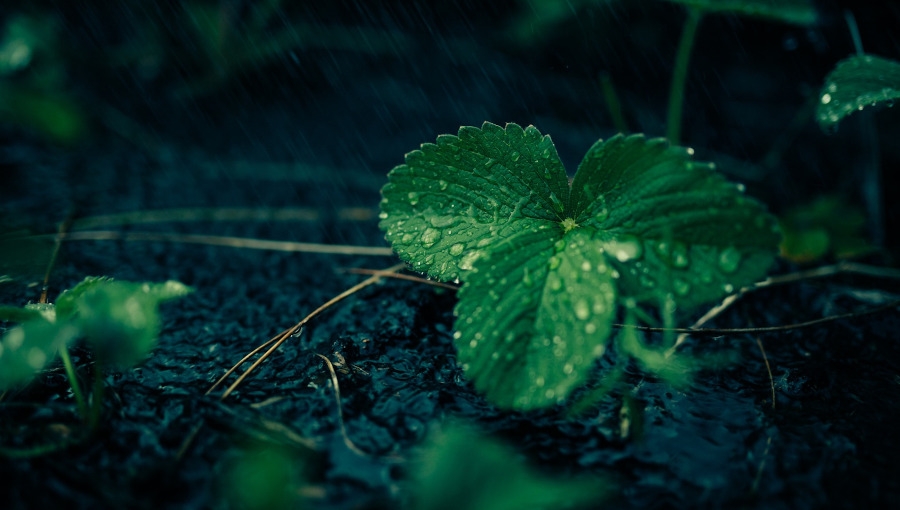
118, 320
545, 262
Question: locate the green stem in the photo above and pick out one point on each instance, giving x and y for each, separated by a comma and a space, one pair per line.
73, 382
679, 74
96, 397
612, 103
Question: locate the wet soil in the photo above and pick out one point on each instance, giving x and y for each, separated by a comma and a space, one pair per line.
828, 441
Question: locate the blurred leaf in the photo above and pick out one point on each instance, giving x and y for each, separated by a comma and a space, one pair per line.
538, 19
804, 245
824, 226
27, 39
67, 302
26, 349
50, 114
855, 83
798, 12
463, 469
263, 479
15, 314
47, 311
120, 319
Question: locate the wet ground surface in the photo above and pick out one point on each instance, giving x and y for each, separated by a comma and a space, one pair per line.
829, 441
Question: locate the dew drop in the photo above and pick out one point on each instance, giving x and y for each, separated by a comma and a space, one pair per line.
465, 263
443, 221
473, 344
556, 284
549, 393
457, 249
514, 155
554, 262
383, 215
413, 197
559, 245
582, 310
625, 248
681, 287
539, 382
430, 236
585, 266
526, 278
568, 368
728, 288
442, 184
590, 328
729, 260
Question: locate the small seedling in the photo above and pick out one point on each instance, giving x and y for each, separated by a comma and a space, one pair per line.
545, 262
118, 320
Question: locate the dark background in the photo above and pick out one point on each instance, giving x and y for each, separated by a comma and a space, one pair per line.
317, 126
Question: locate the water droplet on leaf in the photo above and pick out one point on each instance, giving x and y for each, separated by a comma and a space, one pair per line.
554, 262
430, 236
625, 248
465, 263
729, 259
582, 310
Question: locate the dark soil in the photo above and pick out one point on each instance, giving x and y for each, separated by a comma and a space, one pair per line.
319, 130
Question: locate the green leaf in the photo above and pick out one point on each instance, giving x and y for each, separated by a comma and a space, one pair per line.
26, 349
16, 314
855, 83
451, 199
543, 265
798, 12
120, 319
671, 225
67, 302
535, 314
464, 469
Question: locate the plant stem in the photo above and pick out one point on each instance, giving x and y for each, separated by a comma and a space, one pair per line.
612, 103
679, 74
73, 382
